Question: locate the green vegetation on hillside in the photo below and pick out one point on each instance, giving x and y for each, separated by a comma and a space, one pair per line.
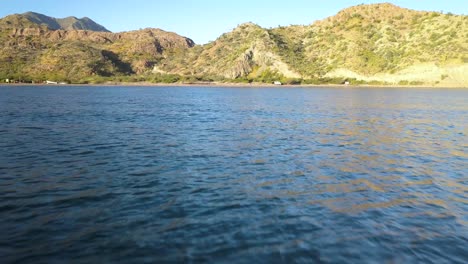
376, 44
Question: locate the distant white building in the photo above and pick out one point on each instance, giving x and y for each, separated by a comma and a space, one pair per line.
7, 80
346, 83
51, 82
277, 83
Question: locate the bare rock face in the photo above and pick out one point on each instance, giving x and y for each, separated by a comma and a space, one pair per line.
159, 38
26, 32
242, 67
153, 41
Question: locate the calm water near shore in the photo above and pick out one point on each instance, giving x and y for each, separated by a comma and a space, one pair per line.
243, 175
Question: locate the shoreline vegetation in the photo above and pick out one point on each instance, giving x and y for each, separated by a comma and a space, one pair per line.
174, 80
271, 78
232, 85
274, 79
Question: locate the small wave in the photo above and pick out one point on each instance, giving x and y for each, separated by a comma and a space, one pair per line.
32, 128
85, 153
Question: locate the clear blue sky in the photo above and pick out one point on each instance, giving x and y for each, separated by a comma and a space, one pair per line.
205, 20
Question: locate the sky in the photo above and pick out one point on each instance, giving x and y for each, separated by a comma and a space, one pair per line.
206, 20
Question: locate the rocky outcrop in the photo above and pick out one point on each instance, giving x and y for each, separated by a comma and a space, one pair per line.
143, 39
242, 66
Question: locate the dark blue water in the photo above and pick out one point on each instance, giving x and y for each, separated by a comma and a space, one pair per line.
244, 175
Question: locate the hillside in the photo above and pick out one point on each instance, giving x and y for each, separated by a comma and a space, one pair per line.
377, 43
247, 51
34, 52
384, 42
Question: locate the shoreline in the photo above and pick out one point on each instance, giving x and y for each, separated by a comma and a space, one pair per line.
234, 85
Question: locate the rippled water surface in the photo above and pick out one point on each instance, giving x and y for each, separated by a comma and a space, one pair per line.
245, 175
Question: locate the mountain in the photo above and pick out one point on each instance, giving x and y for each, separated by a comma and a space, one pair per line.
35, 48
387, 43
380, 43
69, 23
377, 43
246, 51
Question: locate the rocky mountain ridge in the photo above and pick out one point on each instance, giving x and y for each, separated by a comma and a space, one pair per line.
30, 19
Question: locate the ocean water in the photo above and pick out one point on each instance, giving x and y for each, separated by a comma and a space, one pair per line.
233, 175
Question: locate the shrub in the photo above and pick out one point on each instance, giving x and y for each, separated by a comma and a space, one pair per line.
416, 83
